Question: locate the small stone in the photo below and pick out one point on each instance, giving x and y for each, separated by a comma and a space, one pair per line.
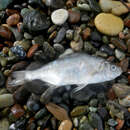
41, 113
5, 32
105, 39
127, 22
74, 17
101, 54
79, 110
32, 50
27, 36
86, 33
112, 122
124, 64
59, 16
128, 44
13, 19
107, 50
58, 112
93, 102
4, 4
125, 101
111, 94
129, 79
75, 122
11, 11
119, 54
103, 113
119, 44
65, 125
2, 79
59, 48
120, 124
17, 111
95, 36
4, 124
92, 109
6, 100
105, 26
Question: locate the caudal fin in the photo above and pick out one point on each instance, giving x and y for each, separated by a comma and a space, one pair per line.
18, 78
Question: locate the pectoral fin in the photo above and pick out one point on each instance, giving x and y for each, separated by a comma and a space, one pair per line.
80, 86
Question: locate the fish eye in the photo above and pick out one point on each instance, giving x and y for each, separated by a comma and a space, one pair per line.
113, 67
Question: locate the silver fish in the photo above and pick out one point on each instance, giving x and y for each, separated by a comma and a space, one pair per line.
77, 68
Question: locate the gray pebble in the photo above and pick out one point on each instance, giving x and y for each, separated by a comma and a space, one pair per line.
119, 54
27, 36
112, 122
4, 124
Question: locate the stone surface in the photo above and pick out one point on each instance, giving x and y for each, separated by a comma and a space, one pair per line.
58, 112
120, 124
4, 124
6, 100
119, 54
86, 33
65, 125
105, 26
59, 16
4, 4
125, 101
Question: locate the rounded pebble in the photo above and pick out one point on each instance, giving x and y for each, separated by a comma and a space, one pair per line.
59, 16
109, 24
65, 125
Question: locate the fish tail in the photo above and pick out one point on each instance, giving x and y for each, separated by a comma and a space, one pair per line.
18, 78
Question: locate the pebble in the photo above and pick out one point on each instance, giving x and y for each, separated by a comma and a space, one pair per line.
6, 100
102, 111
125, 101
127, 22
4, 124
85, 126
4, 4
17, 111
128, 44
74, 17
107, 50
13, 19
79, 110
11, 11
59, 16
111, 94
2, 79
112, 122
41, 113
75, 122
115, 7
5, 32
124, 64
119, 54
95, 36
58, 112
105, 26
119, 44
27, 36
120, 124
59, 48
60, 35
86, 33
65, 125
32, 50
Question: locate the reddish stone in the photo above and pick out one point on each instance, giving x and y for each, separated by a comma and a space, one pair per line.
124, 64
129, 79
17, 111
120, 124
32, 50
13, 19
11, 11
111, 94
74, 17
86, 33
5, 32
121, 35
19, 26
9, 43
69, 4
127, 22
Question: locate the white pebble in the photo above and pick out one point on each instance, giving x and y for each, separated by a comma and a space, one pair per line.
59, 16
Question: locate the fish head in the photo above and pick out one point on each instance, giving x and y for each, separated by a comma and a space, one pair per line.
111, 71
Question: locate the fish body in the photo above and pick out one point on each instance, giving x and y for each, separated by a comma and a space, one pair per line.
76, 68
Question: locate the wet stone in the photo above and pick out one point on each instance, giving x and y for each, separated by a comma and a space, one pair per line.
125, 101
120, 124
4, 4
124, 64
128, 44
27, 35
2, 79
6, 100
107, 50
119, 54
59, 16
4, 124
95, 36
65, 125
60, 35
85, 126
103, 113
112, 122
59, 48
41, 113
86, 33
111, 94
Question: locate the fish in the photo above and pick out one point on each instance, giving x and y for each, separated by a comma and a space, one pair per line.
78, 69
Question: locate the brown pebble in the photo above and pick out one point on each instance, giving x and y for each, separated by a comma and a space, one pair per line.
111, 94
120, 124
32, 50
74, 17
19, 25
121, 35
17, 111
69, 4
53, 35
65, 125
128, 45
9, 43
5, 50
124, 64
129, 79
86, 33
119, 43
129, 109
5, 32
13, 19
127, 22
11, 11
58, 112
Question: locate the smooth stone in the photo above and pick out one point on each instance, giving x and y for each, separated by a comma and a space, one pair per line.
95, 36
4, 124
121, 90
65, 125
4, 4
2, 79
119, 54
6, 100
59, 16
66, 52
107, 50
27, 36
85, 126
58, 112
112, 122
76, 122
128, 44
60, 35
103, 113
124, 64
59, 48
41, 113
125, 101
95, 43
86, 33
109, 27
96, 121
